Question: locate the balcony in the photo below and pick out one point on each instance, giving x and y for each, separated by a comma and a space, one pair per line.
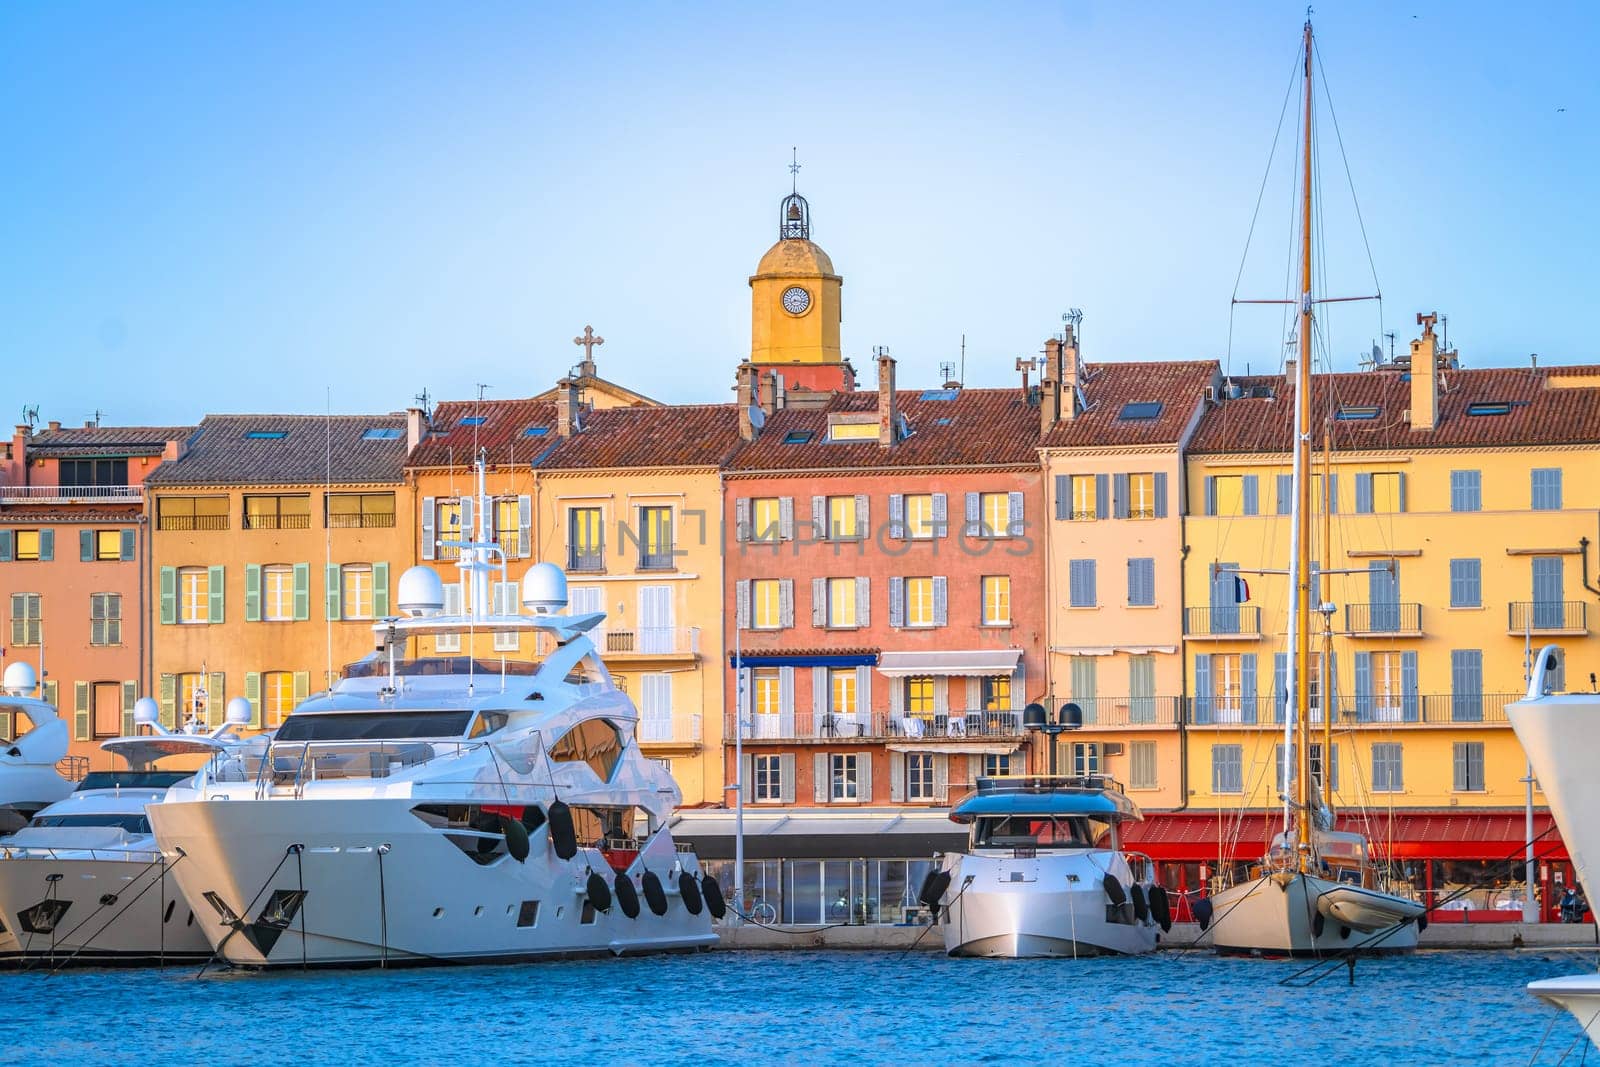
1383, 620
1231, 622
192, 522
956, 724
1569, 617
1376, 709
71, 494
1132, 712
651, 642
679, 731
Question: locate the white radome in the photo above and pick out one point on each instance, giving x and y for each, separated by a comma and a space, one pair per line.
544, 589
146, 711
421, 592
21, 679
238, 712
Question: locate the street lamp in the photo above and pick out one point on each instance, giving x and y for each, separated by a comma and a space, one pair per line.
1036, 719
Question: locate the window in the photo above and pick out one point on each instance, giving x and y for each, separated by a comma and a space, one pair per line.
507, 531
797, 437
853, 431
1468, 776
265, 435
355, 591
1084, 502
655, 538
919, 695
844, 524
382, 433
1085, 757
194, 595
1466, 684
27, 545
584, 547
997, 600
919, 776
26, 618
1080, 583
474, 420
996, 692
769, 778
277, 593
348, 511
277, 697
107, 545
192, 513
766, 600
1387, 774
1388, 698
1227, 496
1466, 490
1547, 489
1488, 408
919, 606
1140, 411
996, 765
842, 691
105, 619
766, 519
1141, 496
1357, 412
1314, 754
841, 610
767, 695
1142, 583
1227, 768
994, 515
919, 516
453, 519
191, 696
1466, 585
1316, 494
93, 472
1227, 687
1380, 493
844, 778
1142, 765
595, 742
277, 513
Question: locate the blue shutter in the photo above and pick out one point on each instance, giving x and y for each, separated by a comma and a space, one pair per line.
1333, 494
1285, 494
1247, 685
1548, 589
1408, 686
1465, 590
1224, 599
1211, 494
1364, 686
1161, 494
1063, 496
1251, 494
1119, 496
1363, 494
1102, 496
1401, 503
1202, 687
1093, 597
1280, 685
1332, 702
1466, 685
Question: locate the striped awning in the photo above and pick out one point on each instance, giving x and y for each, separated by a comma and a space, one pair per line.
977, 663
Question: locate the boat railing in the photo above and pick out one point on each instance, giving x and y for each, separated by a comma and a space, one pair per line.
114, 855
292, 765
1140, 865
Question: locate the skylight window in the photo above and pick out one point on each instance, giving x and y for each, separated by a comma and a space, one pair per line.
265, 435
1489, 408
1140, 411
797, 437
939, 394
853, 431
1363, 413
474, 420
381, 433
536, 431
942, 421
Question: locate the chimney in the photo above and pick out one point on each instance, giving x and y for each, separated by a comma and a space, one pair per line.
415, 428
55, 425
1070, 376
770, 389
888, 416
747, 380
568, 412
1050, 387
1425, 375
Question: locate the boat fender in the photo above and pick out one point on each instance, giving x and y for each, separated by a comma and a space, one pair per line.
485, 823
1141, 907
713, 894
599, 893
1344, 933
627, 895
532, 817
654, 895
1161, 908
563, 836
1318, 924
689, 890
1422, 922
933, 889
1202, 912
1114, 891
516, 838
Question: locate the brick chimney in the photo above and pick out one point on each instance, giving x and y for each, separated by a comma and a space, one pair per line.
1425, 375
1050, 387
746, 383
888, 415
415, 428
1071, 376
55, 425
569, 414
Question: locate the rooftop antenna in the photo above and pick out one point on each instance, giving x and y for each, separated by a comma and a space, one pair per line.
97, 415
30, 415
963, 358
422, 402
1074, 317
1444, 333
1390, 335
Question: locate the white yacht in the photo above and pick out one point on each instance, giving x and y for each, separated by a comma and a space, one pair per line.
30, 750
1044, 874
445, 808
1560, 732
83, 882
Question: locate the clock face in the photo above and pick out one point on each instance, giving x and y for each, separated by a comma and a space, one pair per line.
796, 300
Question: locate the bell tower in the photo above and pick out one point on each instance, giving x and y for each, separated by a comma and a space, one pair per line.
795, 306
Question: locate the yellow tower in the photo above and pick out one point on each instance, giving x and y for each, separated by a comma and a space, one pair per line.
795, 307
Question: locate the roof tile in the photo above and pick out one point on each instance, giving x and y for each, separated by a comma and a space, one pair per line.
314, 448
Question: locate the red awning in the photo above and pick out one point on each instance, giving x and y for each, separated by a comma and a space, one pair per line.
1492, 834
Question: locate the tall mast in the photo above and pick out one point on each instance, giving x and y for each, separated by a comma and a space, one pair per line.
1302, 460
1325, 668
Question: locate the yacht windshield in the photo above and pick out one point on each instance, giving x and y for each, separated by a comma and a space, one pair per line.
132, 779
133, 823
425, 666
373, 725
1037, 831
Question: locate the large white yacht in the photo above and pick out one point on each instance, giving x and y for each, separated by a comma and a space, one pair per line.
1560, 731
1044, 873
445, 808
83, 882
30, 749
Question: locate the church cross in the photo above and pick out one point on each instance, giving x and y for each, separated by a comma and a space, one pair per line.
794, 169
588, 341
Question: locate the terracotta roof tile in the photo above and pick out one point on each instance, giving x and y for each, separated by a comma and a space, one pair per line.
106, 440
313, 448
683, 435
1178, 386
503, 432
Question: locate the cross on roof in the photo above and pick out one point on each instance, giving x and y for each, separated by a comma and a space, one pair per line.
794, 169
588, 341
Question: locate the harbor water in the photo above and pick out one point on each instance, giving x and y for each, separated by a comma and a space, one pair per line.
801, 1006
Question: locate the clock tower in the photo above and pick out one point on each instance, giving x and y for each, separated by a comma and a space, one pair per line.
795, 308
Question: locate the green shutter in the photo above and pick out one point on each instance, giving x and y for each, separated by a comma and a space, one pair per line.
128, 544
214, 583
169, 596
302, 592
80, 710
217, 698
252, 592
5, 546
85, 545
130, 693
169, 700
47, 545
331, 602
252, 693
380, 590
302, 686
48, 694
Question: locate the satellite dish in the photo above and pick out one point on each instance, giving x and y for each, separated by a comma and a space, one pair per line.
758, 418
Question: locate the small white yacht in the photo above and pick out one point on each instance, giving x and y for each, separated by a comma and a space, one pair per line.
1560, 731
431, 809
1044, 874
83, 882
30, 750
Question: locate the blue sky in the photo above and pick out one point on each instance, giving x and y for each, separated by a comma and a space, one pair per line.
284, 207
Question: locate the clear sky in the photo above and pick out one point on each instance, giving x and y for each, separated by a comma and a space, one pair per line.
230, 207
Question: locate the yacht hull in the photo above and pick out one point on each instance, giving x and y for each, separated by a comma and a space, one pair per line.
1579, 995
1048, 905
1278, 915
147, 922
291, 883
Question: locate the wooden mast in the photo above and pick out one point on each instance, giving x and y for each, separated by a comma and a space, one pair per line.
1302, 517
1325, 668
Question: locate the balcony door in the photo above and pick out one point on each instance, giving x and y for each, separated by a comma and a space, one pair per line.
1224, 599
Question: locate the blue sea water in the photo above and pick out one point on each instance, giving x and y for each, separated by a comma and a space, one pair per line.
860, 1007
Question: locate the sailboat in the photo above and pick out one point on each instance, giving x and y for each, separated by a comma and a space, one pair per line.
1315, 891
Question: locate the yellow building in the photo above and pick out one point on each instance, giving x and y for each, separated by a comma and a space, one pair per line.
272, 552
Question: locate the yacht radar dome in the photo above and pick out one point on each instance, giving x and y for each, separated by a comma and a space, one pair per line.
146, 711
21, 679
238, 712
544, 589
421, 592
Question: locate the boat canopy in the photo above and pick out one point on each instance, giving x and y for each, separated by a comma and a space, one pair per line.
1092, 796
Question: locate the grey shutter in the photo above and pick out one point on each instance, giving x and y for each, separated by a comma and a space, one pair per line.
741, 519
897, 602
85, 545
524, 526
1019, 686
786, 518
1092, 593
897, 515
941, 777
1408, 686
941, 516
1459, 777
786, 777
1280, 685
1333, 494
863, 602
821, 700
786, 702
1016, 520
1402, 479
786, 602
864, 777
1063, 496
819, 602
1466, 685
819, 519
1119, 496
1363, 494
741, 603
1161, 494
428, 536
1211, 494
743, 699
468, 531
1364, 686
47, 545
747, 779
941, 695
941, 605
972, 515
897, 698
128, 544
864, 698
1285, 494
1247, 685
5, 546
1202, 687
897, 777
819, 778
1250, 485
1102, 496
863, 517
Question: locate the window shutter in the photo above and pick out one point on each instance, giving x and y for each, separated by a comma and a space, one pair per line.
1285, 500
897, 515
741, 519
819, 778
941, 695
216, 698
1016, 520
941, 517
1251, 486
897, 777
819, 519
1102, 496
467, 532
1334, 691
302, 686
380, 592
130, 694
429, 512
1119, 496
819, 602
897, 602
1093, 594
330, 592
821, 700
302, 592
864, 777
897, 698
785, 602
128, 545
215, 581
863, 602
252, 592
1408, 686
786, 777
786, 701
1280, 685
1211, 494
786, 517
169, 595
5, 546
1247, 685
80, 709
1363, 494
1460, 760
864, 696
169, 699
85, 545
1019, 686
47, 545
747, 778
741, 603
1202, 688
941, 777
1402, 478
1364, 686
1161, 494
252, 693
863, 517
1063, 496
941, 605
1333, 494
972, 515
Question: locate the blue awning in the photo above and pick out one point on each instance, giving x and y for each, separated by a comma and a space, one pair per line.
805, 659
